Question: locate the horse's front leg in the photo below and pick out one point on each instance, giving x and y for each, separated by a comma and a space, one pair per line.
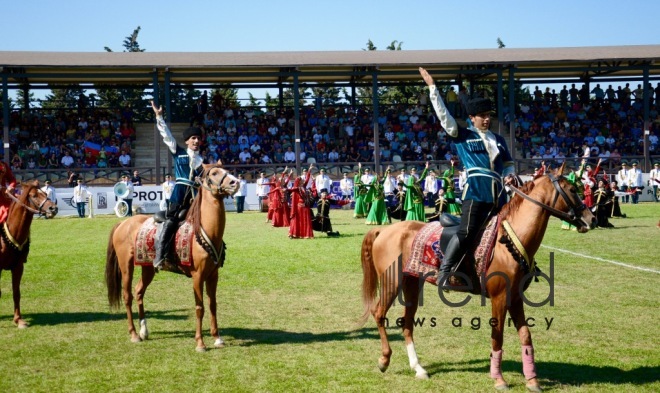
211, 290
127, 294
16, 276
517, 312
198, 289
498, 313
140, 290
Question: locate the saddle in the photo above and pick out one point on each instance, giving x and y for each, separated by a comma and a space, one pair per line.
431, 241
145, 249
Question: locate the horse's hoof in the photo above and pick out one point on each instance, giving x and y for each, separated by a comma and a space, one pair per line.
383, 367
501, 387
422, 375
534, 388
200, 349
136, 339
22, 324
219, 343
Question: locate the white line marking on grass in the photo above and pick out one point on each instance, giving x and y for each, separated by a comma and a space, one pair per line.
602, 260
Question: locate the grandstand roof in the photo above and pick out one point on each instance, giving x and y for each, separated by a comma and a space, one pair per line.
598, 63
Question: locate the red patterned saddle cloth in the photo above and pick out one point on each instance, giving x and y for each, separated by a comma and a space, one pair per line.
424, 260
145, 249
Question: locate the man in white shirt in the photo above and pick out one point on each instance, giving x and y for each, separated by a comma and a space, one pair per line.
389, 187
50, 191
431, 188
346, 187
239, 197
635, 182
323, 182
654, 179
124, 160
402, 177
129, 198
244, 156
289, 155
262, 188
622, 181
80, 195
67, 160
168, 187
367, 177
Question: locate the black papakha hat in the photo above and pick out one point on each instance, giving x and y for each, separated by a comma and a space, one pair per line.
190, 132
479, 105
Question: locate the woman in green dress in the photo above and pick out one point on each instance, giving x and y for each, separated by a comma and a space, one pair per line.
450, 192
359, 193
414, 204
376, 196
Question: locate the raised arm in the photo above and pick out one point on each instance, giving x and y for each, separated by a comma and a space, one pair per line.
164, 130
446, 119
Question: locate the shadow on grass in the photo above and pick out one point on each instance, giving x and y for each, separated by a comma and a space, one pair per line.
56, 318
555, 374
249, 337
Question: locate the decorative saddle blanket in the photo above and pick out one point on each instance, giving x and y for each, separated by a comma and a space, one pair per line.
145, 249
426, 248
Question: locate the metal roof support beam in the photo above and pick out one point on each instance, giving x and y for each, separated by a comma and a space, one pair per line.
512, 114
5, 116
647, 122
500, 102
374, 97
296, 120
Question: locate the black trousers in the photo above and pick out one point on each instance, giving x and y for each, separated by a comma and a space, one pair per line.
474, 215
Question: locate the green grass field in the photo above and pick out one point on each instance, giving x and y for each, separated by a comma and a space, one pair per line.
288, 312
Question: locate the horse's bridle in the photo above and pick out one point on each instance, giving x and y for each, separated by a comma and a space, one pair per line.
213, 187
39, 210
574, 208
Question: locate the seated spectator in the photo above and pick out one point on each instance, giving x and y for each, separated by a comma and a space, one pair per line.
67, 161
124, 160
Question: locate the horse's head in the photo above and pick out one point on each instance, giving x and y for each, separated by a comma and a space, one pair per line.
36, 201
218, 181
566, 199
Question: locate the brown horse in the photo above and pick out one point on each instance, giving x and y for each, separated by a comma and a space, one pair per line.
15, 237
528, 214
207, 217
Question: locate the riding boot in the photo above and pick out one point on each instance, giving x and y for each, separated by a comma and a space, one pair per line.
453, 254
164, 242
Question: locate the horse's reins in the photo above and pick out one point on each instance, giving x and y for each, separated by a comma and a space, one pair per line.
38, 210
574, 209
213, 187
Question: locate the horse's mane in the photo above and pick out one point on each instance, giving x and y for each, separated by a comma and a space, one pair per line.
515, 202
194, 213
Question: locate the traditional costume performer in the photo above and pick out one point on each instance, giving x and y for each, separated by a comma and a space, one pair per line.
376, 197
300, 224
7, 185
575, 178
450, 194
414, 204
321, 221
359, 193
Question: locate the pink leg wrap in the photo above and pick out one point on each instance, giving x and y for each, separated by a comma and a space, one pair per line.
529, 367
496, 364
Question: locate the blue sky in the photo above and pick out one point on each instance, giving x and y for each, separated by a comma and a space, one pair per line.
244, 26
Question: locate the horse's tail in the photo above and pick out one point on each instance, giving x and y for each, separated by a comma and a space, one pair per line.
369, 274
112, 272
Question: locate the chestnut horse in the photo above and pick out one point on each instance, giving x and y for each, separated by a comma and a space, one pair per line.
207, 217
528, 214
15, 237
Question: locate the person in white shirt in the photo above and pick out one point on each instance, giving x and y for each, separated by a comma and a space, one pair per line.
622, 181
124, 160
239, 197
129, 198
431, 188
168, 187
346, 187
323, 182
367, 177
654, 179
635, 182
289, 155
67, 160
50, 191
402, 177
262, 187
80, 195
389, 187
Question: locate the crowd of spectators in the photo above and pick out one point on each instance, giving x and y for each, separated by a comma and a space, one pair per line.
549, 126
76, 139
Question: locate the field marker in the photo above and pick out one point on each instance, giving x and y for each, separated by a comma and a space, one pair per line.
602, 260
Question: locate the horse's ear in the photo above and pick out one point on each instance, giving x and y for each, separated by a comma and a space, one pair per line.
34, 182
219, 162
560, 170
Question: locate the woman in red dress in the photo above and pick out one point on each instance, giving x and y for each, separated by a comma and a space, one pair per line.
300, 226
590, 182
278, 209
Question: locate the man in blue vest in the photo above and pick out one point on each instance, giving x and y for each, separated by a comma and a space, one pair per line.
489, 168
187, 166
